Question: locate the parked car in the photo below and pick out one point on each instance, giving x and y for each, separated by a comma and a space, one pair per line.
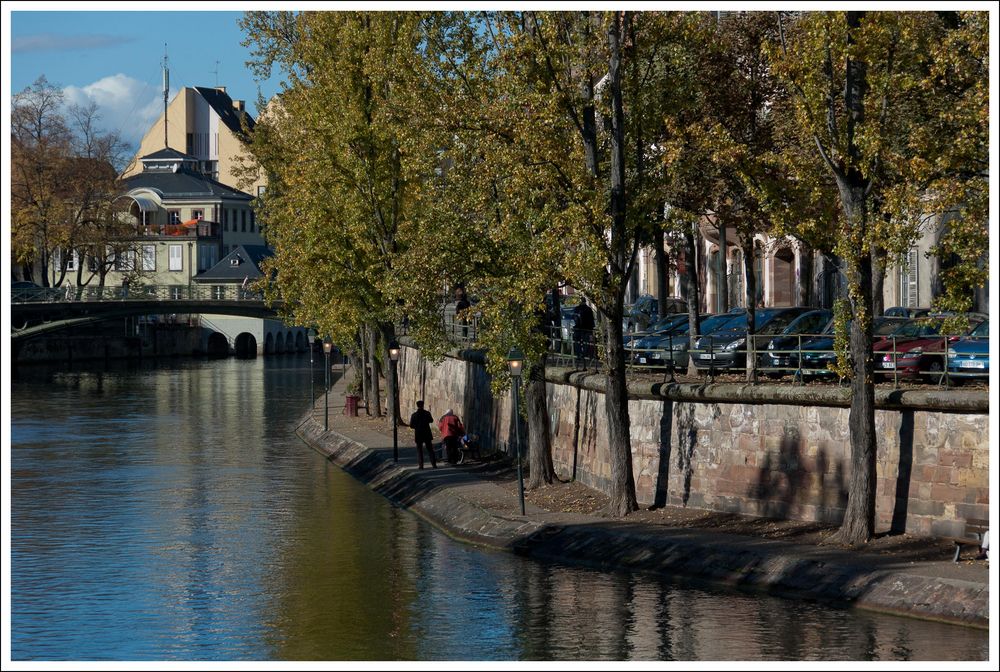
780, 355
970, 356
661, 326
27, 291
726, 347
818, 354
916, 348
646, 310
670, 348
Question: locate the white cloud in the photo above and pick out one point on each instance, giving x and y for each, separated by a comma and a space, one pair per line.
127, 105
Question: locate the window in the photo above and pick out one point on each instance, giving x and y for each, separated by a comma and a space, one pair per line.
173, 216
243, 220
253, 221
260, 190
149, 257
198, 214
176, 258
225, 219
125, 260
207, 257
190, 143
908, 293
71, 262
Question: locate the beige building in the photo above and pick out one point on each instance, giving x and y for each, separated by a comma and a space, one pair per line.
208, 125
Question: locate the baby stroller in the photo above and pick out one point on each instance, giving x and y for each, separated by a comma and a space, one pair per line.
469, 448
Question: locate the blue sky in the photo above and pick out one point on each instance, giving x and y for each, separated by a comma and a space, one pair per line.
114, 58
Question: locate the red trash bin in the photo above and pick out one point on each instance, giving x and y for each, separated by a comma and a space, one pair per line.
351, 407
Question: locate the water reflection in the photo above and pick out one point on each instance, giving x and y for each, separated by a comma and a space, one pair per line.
168, 513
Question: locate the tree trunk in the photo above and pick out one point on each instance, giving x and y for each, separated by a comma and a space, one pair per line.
622, 486
376, 387
622, 494
365, 376
859, 518
388, 332
878, 281
805, 276
540, 469
751, 293
662, 288
693, 298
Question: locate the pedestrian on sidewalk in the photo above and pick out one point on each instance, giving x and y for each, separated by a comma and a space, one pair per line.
420, 422
451, 431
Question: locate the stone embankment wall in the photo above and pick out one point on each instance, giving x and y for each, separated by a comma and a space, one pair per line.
768, 450
161, 342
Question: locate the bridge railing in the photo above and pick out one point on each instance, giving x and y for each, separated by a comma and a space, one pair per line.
73, 294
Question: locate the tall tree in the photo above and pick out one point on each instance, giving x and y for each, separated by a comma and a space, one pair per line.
336, 211
63, 186
863, 84
589, 107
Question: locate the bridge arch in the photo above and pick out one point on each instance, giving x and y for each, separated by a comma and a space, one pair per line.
269, 344
245, 346
218, 345
300, 341
279, 343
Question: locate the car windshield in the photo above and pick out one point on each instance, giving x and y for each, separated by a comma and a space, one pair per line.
725, 320
982, 331
883, 326
669, 322
918, 328
778, 323
808, 323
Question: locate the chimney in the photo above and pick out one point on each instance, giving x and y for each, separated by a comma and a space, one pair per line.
221, 89
239, 105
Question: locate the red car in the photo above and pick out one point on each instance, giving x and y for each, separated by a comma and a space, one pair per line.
914, 349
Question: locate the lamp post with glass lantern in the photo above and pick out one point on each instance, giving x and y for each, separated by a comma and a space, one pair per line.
515, 363
327, 347
394, 357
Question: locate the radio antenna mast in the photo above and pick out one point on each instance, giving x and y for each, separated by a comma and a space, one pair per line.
166, 90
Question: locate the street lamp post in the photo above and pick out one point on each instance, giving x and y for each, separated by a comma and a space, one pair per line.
515, 362
312, 382
327, 346
394, 357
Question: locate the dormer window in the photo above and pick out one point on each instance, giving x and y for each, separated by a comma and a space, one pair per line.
235, 261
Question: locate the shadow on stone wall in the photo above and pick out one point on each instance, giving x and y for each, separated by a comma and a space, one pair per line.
780, 480
576, 432
663, 463
905, 469
782, 485
687, 439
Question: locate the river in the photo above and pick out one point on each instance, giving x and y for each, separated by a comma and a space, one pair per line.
167, 512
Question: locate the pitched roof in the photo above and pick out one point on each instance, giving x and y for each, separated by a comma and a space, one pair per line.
168, 153
184, 184
243, 262
223, 106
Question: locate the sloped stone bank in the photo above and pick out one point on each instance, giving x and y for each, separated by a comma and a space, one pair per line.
464, 507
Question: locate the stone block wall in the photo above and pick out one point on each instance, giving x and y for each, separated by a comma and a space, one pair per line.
778, 460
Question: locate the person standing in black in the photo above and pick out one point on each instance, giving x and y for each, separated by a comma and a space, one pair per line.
583, 331
421, 422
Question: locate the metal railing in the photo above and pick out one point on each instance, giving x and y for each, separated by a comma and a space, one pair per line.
571, 347
75, 294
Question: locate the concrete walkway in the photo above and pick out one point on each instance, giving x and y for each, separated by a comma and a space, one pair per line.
467, 505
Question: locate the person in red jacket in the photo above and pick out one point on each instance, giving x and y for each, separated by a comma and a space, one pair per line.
451, 431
